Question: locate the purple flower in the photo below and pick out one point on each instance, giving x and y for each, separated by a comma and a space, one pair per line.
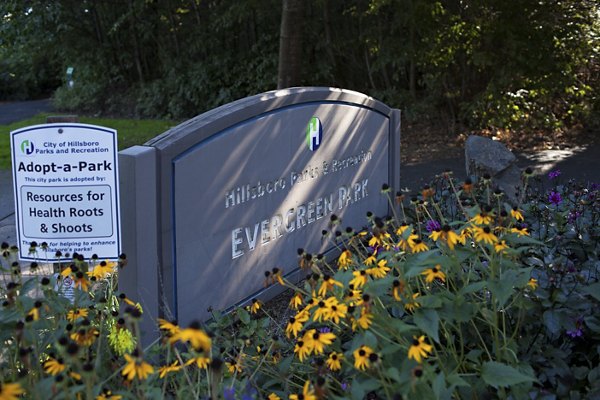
575, 333
324, 330
573, 215
554, 198
229, 394
432, 225
554, 174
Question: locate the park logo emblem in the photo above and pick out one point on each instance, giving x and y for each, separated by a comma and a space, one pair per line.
27, 147
314, 133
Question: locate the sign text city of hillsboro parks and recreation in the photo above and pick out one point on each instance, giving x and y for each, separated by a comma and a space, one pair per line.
66, 189
238, 189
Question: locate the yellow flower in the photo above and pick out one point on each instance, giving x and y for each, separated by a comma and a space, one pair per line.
307, 393
34, 314
296, 301
74, 315
361, 357
85, 337
403, 227
54, 366
417, 245
336, 312
397, 289
321, 312
485, 235
317, 341
431, 274
136, 367
102, 270
164, 370
414, 304
10, 391
532, 283
107, 395
81, 281
372, 259
256, 305
364, 321
334, 361
375, 241
380, 271
273, 396
167, 326
500, 247
360, 278
302, 350
516, 214
419, 349
482, 218
520, 231
293, 327
195, 336
328, 285
66, 272
345, 260
201, 362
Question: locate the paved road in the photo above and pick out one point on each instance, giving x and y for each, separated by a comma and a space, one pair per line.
20, 110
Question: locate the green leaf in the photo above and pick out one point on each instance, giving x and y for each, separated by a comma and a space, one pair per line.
473, 287
428, 321
593, 290
439, 387
244, 316
285, 364
497, 374
552, 321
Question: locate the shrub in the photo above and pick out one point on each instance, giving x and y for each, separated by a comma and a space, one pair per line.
457, 294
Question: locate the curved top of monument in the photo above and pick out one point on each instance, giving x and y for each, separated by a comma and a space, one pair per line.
238, 111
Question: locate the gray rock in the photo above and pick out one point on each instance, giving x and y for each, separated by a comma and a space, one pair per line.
484, 155
508, 181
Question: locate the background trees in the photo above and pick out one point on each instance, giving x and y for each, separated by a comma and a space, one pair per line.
481, 63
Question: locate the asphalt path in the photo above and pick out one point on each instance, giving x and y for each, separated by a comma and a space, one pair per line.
20, 110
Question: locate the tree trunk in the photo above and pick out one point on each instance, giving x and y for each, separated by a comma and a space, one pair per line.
290, 44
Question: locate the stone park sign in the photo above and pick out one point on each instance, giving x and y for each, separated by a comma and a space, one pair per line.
213, 203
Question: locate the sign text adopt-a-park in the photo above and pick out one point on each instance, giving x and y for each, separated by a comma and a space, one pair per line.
66, 192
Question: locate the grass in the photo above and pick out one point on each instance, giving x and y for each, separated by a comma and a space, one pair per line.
130, 132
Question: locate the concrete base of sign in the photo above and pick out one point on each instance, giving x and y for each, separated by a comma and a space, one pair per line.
139, 279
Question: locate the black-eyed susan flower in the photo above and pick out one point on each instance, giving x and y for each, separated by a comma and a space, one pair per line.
520, 230
255, 306
293, 327
302, 350
419, 349
102, 270
371, 259
307, 393
517, 214
318, 340
364, 321
467, 186
361, 357
336, 312
532, 283
195, 336
327, 285
54, 366
10, 391
277, 275
169, 327
345, 260
483, 218
273, 396
379, 271
296, 301
431, 274
412, 305
485, 235
136, 367
200, 361
108, 395
360, 278
417, 245
34, 313
334, 361
85, 337
427, 192
397, 289
81, 281
500, 246
166, 369
353, 296
321, 311
74, 315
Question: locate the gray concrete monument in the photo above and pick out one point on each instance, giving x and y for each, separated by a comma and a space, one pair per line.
211, 204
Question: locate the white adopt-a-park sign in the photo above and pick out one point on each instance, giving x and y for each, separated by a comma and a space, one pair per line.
66, 190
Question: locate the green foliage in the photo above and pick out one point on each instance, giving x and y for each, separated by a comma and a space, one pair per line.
496, 302
130, 132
